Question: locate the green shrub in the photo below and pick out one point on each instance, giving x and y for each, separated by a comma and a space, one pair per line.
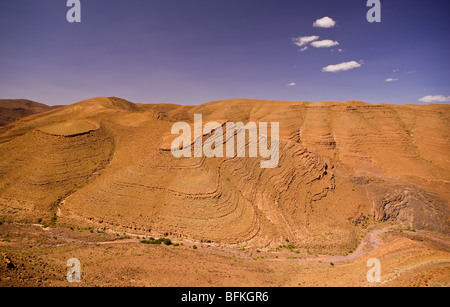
53, 220
152, 240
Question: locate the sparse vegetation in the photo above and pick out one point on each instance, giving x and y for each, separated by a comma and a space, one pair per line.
152, 240
291, 247
336, 153
53, 220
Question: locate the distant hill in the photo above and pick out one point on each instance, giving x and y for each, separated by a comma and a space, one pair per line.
12, 110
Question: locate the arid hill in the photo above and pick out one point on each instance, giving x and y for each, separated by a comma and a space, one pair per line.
106, 163
14, 109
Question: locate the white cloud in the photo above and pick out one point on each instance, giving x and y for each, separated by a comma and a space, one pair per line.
395, 70
325, 22
391, 79
341, 67
326, 43
340, 50
303, 40
291, 84
434, 98
304, 49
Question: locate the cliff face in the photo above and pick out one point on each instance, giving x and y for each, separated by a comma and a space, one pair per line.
341, 164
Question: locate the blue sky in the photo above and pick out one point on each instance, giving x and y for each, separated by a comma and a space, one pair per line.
191, 52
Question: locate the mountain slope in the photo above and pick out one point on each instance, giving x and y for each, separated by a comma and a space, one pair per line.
105, 162
12, 110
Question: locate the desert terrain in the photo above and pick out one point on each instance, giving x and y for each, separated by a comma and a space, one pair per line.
97, 181
14, 109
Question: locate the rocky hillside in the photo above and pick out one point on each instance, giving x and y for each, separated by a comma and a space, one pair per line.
106, 162
12, 110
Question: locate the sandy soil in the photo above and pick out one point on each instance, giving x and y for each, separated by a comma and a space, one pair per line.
37, 256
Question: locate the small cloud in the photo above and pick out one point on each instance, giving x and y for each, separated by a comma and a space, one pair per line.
395, 70
291, 84
339, 50
325, 22
411, 72
304, 40
341, 67
326, 43
304, 49
391, 79
435, 98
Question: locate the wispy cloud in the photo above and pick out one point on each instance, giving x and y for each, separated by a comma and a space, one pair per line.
326, 43
391, 79
341, 67
434, 98
304, 48
291, 84
325, 22
304, 40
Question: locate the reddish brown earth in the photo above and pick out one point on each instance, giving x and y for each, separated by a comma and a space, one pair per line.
12, 110
355, 181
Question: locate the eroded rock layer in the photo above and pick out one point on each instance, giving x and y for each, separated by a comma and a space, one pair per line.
106, 161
